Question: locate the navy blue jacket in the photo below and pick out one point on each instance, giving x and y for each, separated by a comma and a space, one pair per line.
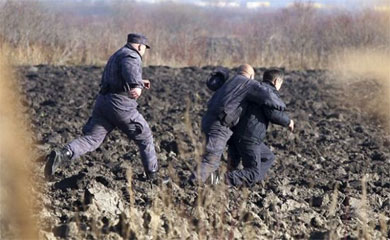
254, 122
123, 71
228, 102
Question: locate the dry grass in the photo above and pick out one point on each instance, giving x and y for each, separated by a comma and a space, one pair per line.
356, 65
15, 179
183, 35
210, 217
363, 213
299, 37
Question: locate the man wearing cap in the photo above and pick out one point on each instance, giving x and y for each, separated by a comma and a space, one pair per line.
115, 107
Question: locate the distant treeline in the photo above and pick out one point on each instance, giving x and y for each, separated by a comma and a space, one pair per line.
296, 37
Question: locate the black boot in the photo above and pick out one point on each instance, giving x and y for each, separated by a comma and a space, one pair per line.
153, 178
55, 159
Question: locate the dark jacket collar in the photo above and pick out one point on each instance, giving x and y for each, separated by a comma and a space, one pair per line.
128, 45
270, 85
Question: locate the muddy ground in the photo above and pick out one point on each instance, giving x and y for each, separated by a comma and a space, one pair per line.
314, 190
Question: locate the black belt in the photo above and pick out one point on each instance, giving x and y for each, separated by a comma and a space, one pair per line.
123, 93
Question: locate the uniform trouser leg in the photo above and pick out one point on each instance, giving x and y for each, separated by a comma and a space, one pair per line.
216, 140
94, 132
234, 157
257, 159
134, 125
267, 159
251, 161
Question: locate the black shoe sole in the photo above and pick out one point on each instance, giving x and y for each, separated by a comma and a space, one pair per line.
49, 167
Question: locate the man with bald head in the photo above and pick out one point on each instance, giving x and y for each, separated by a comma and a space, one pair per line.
223, 112
247, 142
247, 70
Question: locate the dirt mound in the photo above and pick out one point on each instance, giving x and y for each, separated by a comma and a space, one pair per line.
331, 177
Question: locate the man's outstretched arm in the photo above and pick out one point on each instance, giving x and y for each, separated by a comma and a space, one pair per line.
278, 117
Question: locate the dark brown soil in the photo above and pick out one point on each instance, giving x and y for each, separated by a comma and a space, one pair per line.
314, 190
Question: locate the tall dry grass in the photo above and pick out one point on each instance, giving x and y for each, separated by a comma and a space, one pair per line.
15, 180
211, 215
296, 37
356, 65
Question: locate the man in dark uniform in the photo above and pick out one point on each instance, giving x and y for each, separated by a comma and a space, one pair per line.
247, 140
223, 113
115, 107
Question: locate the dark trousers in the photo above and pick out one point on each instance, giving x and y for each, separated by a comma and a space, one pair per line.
105, 118
217, 137
257, 158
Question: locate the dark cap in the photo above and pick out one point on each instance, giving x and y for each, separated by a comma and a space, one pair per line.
217, 78
137, 38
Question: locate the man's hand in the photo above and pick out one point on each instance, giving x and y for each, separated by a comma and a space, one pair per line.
146, 83
135, 93
291, 125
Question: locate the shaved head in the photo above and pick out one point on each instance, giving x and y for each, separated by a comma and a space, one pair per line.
246, 70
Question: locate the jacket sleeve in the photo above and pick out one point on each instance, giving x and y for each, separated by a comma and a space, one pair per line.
131, 71
276, 116
262, 96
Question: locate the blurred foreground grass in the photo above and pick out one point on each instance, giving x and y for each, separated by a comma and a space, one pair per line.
15, 180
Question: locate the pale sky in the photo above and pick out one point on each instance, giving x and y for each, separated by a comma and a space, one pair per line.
283, 3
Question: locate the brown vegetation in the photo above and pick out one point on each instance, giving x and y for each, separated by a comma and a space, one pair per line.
15, 179
184, 35
181, 35
362, 65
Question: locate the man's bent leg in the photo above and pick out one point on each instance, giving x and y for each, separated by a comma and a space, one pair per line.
216, 140
94, 133
138, 129
267, 159
251, 160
